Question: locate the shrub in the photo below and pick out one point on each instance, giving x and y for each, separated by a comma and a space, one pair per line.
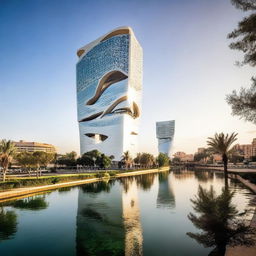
55, 180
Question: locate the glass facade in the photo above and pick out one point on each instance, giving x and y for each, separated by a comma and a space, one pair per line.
165, 133
105, 95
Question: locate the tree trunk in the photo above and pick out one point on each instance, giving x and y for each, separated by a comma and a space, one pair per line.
4, 174
37, 173
225, 162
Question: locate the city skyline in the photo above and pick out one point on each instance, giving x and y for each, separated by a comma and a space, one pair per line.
187, 60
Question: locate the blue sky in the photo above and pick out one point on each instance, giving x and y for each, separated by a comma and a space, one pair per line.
188, 67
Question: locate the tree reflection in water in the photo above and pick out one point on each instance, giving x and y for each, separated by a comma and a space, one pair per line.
143, 181
97, 187
8, 224
35, 203
218, 220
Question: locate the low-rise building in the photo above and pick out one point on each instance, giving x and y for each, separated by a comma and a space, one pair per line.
246, 150
254, 147
184, 157
25, 146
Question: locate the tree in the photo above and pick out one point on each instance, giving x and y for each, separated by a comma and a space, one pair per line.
221, 144
163, 160
104, 161
37, 160
243, 103
147, 160
69, 159
127, 159
90, 158
7, 152
236, 156
137, 159
245, 32
218, 221
46, 158
25, 160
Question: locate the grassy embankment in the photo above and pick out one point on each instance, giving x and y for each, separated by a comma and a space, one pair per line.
18, 182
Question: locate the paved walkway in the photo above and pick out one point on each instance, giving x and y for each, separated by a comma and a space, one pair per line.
242, 250
22, 192
241, 170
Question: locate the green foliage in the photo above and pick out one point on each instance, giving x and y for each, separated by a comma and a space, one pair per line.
243, 103
7, 152
218, 221
163, 160
245, 5
245, 33
145, 159
41, 181
106, 175
104, 161
127, 159
69, 159
221, 143
8, 224
95, 157
31, 203
55, 180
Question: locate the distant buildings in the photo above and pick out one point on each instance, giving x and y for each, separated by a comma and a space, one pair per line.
25, 146
165, 133
184, 157
109, 85
246, 150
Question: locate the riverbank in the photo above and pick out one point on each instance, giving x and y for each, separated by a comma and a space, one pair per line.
24, 191
243, 250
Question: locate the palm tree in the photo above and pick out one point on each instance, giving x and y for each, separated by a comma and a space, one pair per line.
127, 159
218, 221
221, 144
7, 151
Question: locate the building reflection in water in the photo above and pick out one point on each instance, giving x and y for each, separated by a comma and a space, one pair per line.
132, 224
100, 229
165, 197
108, 219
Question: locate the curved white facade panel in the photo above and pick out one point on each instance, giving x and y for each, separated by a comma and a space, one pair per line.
109, 84
165, 133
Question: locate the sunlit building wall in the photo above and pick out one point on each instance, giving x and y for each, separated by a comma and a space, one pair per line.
27, 146
165, 133
109, 84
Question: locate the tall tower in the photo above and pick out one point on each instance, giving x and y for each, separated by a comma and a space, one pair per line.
109, 85
165, 134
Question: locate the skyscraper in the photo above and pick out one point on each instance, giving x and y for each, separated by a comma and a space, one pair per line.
165, 134
109, 84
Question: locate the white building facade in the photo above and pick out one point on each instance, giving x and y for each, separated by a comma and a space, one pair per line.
165, 133
109, 86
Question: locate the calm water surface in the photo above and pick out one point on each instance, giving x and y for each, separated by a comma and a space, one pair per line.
142, 215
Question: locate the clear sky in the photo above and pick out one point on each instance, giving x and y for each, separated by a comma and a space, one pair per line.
188, 67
